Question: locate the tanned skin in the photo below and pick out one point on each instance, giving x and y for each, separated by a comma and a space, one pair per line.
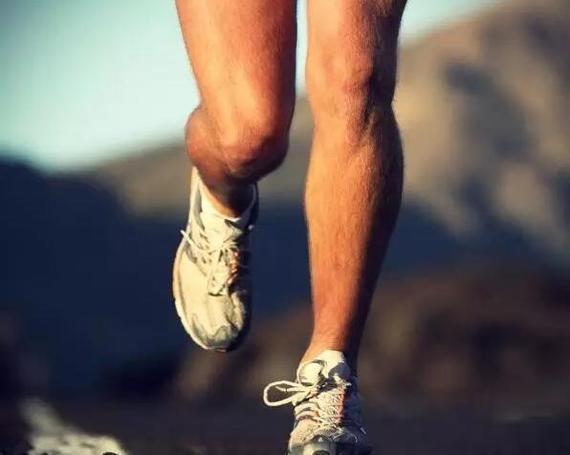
243, 57
354, 183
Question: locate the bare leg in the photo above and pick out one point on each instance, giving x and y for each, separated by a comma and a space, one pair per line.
243, 57
354, 183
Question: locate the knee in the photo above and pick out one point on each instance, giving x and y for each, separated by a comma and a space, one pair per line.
352, 84
253, 140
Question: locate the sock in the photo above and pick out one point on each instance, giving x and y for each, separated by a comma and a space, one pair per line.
215, 221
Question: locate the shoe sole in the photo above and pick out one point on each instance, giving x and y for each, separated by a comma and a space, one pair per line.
180, 307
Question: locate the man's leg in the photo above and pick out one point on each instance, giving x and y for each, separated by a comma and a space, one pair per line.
243, 58
354, 183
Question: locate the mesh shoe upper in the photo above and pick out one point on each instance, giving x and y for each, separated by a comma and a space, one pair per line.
327, 405
211, 282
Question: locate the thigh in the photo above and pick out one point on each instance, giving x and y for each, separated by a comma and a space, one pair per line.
242, 54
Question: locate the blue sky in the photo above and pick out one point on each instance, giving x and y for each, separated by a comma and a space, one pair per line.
82, 81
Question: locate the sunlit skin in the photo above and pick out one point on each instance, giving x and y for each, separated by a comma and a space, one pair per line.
243, 57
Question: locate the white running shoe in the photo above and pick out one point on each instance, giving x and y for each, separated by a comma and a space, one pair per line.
211, 278
328, 416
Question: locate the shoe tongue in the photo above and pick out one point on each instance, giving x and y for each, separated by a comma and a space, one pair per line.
220, 228
328, 364
214, 223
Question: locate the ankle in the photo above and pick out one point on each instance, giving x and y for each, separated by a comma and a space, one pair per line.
229, 204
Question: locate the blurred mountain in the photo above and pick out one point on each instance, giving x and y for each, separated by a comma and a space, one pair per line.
83, 284
484, 108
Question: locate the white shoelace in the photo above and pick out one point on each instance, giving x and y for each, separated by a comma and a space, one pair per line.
224, 261
325, 406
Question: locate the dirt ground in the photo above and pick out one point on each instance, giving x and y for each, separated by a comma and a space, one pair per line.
34, 427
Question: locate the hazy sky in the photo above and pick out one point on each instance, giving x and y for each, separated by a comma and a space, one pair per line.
85, 80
